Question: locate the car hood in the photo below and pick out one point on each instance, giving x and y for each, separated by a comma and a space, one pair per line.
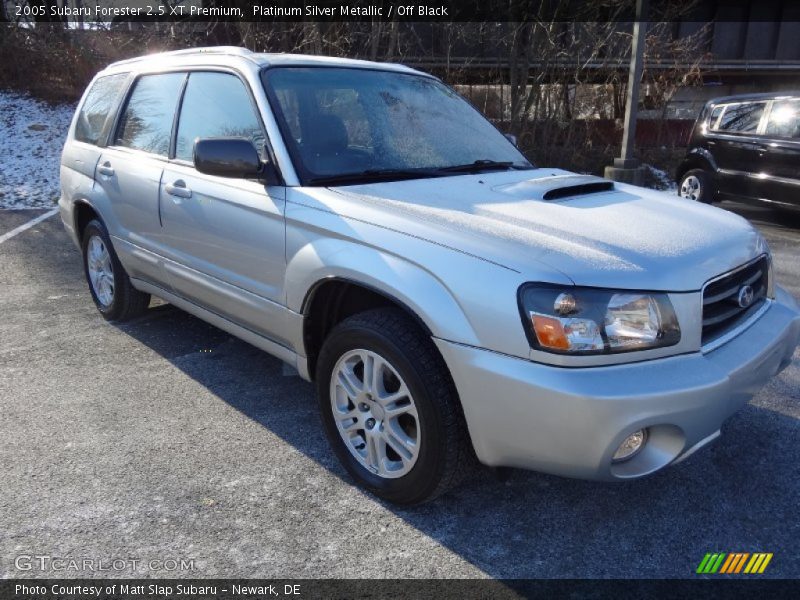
622, 236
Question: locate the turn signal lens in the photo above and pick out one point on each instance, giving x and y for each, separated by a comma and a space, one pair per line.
567, 333
550, 333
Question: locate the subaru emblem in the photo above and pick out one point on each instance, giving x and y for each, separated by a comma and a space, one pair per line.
746, 295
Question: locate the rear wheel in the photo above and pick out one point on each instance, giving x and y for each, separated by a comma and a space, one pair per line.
111, 288
697, 185
390, 409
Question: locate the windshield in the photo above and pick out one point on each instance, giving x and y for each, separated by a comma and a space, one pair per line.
350, 125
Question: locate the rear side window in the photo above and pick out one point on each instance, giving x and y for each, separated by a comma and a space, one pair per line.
146, 123
742, 118
216, 105
784, 119
100, 101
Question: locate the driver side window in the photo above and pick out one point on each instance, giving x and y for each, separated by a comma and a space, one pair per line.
216, 105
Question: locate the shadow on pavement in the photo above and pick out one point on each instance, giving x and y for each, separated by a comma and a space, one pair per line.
737, 495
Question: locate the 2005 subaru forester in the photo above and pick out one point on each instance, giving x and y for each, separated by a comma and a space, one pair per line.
367, 225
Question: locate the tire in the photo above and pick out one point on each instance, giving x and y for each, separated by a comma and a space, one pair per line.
430, 412
111, 288
697, 185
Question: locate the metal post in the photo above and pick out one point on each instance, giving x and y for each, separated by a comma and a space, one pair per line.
626, 167
634, 79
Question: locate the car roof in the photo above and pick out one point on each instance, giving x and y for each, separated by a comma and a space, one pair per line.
234, 54
753, 97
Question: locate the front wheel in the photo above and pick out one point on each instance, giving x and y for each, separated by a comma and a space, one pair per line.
390, 409
697, 185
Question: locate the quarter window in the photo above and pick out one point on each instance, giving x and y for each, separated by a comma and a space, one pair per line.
784, 119
146, 123
715, 113
100, 100
216, 105
742, 118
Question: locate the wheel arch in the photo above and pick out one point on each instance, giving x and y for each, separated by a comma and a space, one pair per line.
82, 213
697, 158
334, 298
358, 278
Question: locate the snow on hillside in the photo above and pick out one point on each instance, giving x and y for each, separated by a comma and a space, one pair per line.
32, 134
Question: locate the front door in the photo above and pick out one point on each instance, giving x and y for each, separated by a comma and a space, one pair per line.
225, 237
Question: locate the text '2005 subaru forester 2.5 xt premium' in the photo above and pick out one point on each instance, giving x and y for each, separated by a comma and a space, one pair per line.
450, 300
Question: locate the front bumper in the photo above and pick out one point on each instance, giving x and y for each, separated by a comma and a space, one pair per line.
570, 421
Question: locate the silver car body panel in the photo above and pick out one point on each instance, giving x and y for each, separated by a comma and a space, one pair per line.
571, 421
454, 251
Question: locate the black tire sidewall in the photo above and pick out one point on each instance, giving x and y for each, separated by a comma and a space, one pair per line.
424, 476
113, 310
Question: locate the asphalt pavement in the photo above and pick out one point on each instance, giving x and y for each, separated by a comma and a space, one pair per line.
166, 439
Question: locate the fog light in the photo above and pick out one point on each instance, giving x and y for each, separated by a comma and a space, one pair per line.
631, 446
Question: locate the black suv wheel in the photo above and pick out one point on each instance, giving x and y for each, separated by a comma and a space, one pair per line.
697, 185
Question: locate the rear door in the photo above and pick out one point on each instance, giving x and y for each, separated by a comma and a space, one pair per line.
780, 157
130, 168
736, 147
90, 134
225, 236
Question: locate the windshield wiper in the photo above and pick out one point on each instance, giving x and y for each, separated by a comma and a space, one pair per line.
372, 175
482, 164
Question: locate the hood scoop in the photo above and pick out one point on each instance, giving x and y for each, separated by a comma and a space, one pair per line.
557, 187
581, 189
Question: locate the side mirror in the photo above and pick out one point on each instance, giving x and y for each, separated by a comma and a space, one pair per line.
228, 157
511, 138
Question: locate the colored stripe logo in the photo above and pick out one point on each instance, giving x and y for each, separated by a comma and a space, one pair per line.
734, 563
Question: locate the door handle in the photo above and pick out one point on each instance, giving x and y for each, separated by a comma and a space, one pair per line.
178, 189
105, 169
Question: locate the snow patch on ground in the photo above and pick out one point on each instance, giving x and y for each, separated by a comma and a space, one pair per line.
32, 134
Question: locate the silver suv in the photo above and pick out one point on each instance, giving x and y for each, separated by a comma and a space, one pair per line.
450, 300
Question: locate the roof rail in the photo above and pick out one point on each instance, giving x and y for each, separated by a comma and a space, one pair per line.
226, 50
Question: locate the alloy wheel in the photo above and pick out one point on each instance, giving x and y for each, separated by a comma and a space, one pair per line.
690, 188
375, 413
101, 271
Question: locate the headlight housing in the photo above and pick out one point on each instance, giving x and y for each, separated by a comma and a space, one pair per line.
763, 248
770, 278
581, 321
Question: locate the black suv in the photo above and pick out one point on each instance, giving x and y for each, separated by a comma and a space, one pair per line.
747, 148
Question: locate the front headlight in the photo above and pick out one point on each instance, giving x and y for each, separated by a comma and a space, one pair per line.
574, 320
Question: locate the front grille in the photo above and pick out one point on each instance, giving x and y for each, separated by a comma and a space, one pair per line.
721, 308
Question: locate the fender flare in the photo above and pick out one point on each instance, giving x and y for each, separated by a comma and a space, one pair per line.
696, 158
432, 304
76, 204
309, 299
